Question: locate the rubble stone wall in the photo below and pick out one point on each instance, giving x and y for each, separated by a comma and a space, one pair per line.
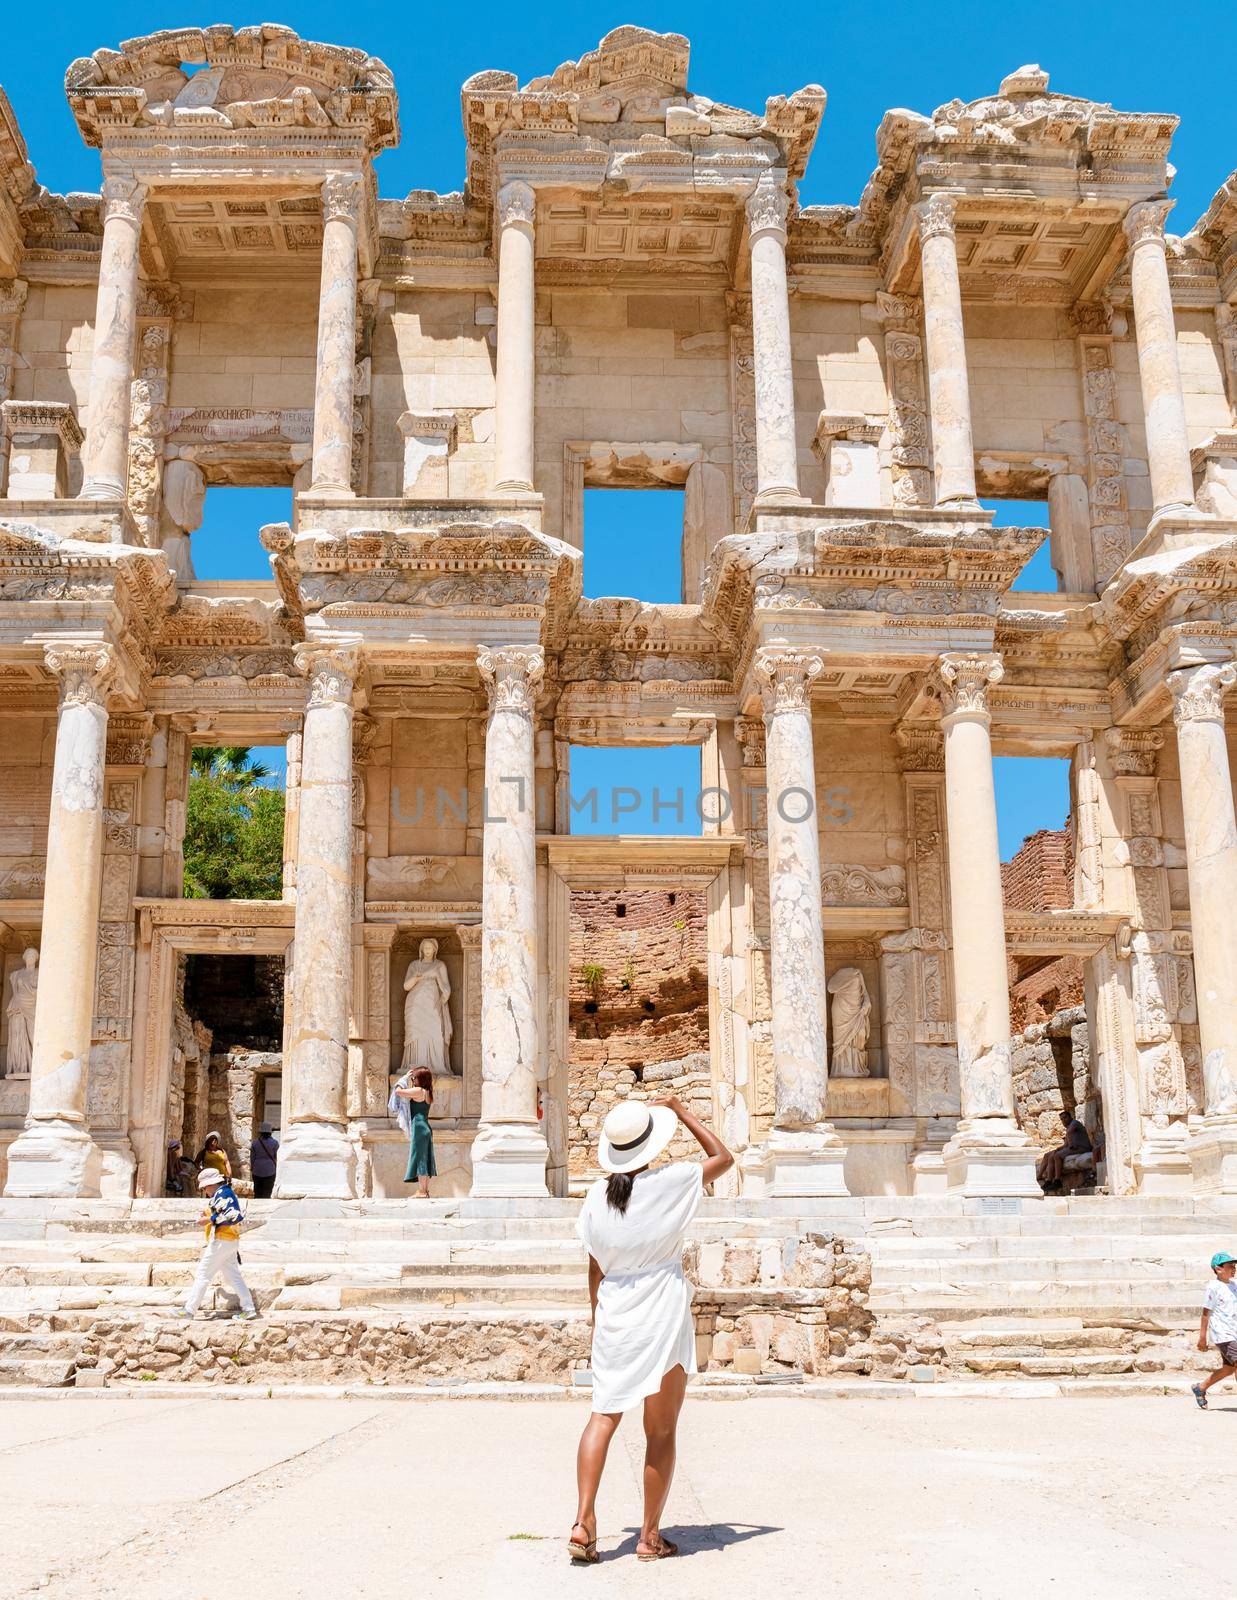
1053, 1072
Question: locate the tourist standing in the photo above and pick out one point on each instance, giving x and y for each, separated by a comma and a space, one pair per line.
410, 1104
212, 1154
644, 1341
221, 1253
263, 1161
1219, 1324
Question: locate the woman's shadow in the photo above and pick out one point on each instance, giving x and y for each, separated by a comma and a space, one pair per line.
695, 1541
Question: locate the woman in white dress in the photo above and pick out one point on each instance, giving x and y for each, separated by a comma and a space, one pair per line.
644, 1344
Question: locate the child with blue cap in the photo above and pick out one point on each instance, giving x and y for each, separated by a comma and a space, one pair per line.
1219, 1324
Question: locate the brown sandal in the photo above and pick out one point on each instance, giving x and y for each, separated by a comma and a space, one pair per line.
667, 1549
582, 1550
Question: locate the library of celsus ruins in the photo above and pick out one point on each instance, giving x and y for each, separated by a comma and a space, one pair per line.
624, 294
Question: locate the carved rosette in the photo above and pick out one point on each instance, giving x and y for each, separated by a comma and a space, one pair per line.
1144, 223
785, 678
85, 671
331, 667
963, 681
935, 217
124, 198
768, 208
1133, 752
342, 194
511, 675
516, 205
1198, 692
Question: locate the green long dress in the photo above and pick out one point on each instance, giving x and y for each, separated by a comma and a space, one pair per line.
421, 1146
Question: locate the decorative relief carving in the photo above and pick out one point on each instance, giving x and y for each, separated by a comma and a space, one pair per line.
785, 678
511, 676
936, 216
1133, 752
1198, 692
343, 194
854, 885
1144, 222
750, 732
124, 198
1108, 509
962, 682
909, 429
920, 749
516, 205
768, 207
85, 671
1089, 863
742, 407
332, 668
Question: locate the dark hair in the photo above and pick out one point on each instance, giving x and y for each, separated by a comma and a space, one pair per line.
618, 1190
424, 1079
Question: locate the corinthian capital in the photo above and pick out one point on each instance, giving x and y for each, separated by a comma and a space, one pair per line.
516, 204
123, 197
331, 666
963, 680
342, 193
768, 207
1144, 223
1198, 692
786, 677
511, 675
935, 217
85, 669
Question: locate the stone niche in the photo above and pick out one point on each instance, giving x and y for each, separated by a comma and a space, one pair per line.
14, 1092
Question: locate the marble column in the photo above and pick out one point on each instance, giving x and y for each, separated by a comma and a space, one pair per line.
509, 1153
777, 469
949, 394
1211, 863
317, 1159
516, 362
804, 1155
1168, 444
105, 453
342, 197
988, 1154
54, 1154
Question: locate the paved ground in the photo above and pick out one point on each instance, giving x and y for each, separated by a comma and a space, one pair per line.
199, 1499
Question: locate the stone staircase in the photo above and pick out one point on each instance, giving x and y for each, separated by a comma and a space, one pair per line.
461, 1290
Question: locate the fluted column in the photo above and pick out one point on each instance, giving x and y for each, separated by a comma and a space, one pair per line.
777, 468
1168, 444
805, 1155
105, 452
988, 1154
317, 1159
54, 1155
516, 363
949, 394
509, 1153
342, 196
1211, 863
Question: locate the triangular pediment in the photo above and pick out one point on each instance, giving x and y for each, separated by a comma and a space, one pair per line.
629, 62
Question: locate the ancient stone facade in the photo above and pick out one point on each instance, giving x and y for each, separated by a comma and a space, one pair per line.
626, 290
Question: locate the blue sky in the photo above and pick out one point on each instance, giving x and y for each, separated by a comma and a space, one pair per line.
869, 59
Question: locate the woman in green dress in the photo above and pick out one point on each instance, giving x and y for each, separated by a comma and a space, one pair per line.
411, 1099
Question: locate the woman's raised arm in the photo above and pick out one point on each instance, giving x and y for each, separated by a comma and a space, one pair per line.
718, 1158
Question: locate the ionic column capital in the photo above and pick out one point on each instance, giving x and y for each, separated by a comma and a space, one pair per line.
342, 196
962, 680
85, 669
511, 674
935, 217
516, 204
768, 208
785, 677
124, 198
1144, 223
332, 667
1198, 692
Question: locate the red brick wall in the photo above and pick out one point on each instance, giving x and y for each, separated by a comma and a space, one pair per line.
1041, 876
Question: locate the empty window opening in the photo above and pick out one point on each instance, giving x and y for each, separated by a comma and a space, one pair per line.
1039, 575
1032, 812
620, 910
633, 544
234, 823
226, 545
652, 790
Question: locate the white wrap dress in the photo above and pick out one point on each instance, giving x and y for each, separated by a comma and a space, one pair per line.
644, 1323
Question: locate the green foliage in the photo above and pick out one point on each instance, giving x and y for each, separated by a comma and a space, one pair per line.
593, 976
233, 829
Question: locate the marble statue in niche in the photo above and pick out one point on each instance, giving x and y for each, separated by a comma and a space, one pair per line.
427, 1013
23, 987
849, 1023
184, 493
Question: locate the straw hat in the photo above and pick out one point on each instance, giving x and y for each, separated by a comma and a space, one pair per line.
209, 1178
633, 1134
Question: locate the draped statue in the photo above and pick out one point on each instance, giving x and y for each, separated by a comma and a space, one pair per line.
849, 1023
23, 987
427, 1013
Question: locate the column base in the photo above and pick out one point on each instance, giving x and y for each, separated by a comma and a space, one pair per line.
797, 1163
317, 1161
54, 1160
509, 1162
1213, 1156
1162, 1162
990, 1158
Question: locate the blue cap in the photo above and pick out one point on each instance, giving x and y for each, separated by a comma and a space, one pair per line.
1221, 1259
